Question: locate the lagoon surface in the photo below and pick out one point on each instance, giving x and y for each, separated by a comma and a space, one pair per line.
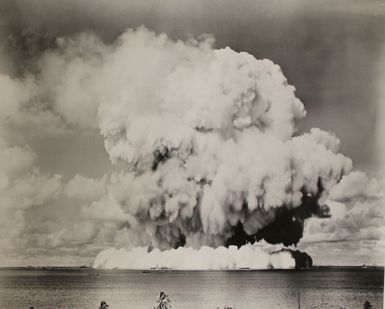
75, 288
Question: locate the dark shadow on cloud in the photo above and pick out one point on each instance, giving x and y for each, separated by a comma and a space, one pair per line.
288, 225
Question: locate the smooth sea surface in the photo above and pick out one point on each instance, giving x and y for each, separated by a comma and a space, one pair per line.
326, 288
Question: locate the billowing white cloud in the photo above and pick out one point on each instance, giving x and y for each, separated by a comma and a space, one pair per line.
205, 141
22, 188
83, 188
357, 207
205, 138
73, 234
21, 108
22, 185
356, 186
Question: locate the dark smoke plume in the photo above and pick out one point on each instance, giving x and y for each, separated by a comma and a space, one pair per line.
288, 225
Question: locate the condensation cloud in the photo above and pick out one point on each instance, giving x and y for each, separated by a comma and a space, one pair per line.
204, 141
205, 138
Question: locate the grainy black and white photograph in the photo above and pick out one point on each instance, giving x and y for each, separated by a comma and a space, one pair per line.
192, 154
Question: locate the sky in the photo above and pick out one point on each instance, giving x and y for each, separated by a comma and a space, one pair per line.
60, 157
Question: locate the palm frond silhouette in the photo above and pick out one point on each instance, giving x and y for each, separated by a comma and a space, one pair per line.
164, 301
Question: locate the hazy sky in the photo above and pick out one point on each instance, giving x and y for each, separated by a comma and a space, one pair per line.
333, 52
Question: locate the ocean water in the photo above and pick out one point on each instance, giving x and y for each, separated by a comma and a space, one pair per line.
326, 288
